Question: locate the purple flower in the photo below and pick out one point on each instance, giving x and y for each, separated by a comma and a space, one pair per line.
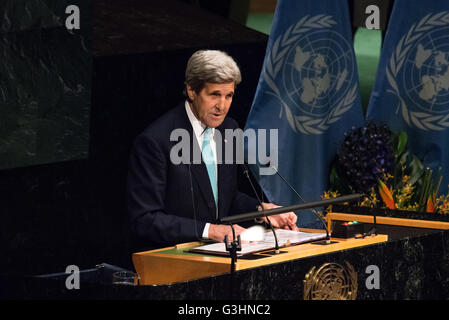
365, 152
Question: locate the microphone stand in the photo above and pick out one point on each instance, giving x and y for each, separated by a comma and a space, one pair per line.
233, 246
257, 214
276, 244
328, 239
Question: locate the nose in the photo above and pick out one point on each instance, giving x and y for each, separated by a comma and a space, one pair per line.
221, 104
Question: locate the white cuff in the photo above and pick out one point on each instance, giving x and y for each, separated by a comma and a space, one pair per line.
206, 231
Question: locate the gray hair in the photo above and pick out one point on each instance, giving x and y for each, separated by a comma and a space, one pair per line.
211, 66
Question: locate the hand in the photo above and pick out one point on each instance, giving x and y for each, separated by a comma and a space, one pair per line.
284, 220
217, 232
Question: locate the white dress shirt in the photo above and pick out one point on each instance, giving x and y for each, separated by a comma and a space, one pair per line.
198, 129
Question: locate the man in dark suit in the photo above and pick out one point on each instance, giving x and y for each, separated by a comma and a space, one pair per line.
172, 201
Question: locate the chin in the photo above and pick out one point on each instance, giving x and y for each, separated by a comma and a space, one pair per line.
214, 124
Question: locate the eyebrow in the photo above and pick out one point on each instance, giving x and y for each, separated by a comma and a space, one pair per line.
218, 91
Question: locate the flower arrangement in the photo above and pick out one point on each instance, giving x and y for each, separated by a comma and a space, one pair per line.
375, 161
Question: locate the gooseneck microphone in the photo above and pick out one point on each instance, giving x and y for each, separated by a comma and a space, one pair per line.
327, 240
246, 173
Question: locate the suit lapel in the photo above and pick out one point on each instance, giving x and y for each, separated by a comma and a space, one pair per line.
198, 168
222, 168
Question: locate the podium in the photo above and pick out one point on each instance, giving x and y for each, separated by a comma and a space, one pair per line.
407, 259
177, 264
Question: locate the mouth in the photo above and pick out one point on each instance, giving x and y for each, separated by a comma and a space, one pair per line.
217, 115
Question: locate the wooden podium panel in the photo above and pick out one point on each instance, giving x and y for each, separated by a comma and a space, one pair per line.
176, 264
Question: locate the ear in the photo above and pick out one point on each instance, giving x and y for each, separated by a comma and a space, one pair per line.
190, 92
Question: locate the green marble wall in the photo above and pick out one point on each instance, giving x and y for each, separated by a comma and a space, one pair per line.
45, 82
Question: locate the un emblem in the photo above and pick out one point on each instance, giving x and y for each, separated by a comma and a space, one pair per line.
418, 73
311, 70
331, 281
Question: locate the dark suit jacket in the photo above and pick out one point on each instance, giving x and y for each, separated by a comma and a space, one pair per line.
160, 193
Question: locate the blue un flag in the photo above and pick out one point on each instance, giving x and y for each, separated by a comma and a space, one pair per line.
308, 90
411, 92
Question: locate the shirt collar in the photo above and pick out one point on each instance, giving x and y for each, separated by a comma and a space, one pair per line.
197, 125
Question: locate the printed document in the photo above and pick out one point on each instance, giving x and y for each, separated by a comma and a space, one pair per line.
285, 238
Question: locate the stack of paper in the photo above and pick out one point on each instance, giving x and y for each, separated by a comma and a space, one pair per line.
285, 237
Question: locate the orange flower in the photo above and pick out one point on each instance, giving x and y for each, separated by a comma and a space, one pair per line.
386, 195
430, 207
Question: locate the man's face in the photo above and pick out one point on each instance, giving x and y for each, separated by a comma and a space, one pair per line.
212, 103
